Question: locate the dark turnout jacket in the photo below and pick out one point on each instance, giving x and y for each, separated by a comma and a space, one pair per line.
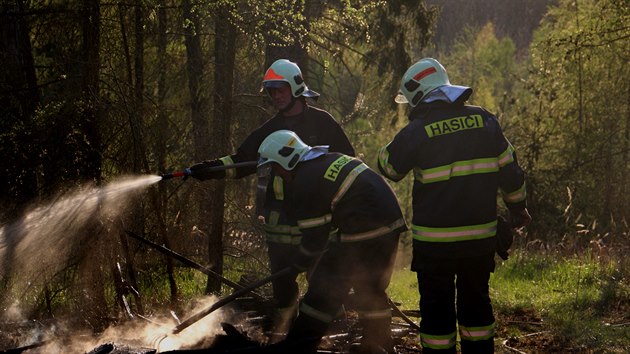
315, 127
460, 159
336, 191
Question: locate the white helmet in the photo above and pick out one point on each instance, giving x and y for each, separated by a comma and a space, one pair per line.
283, 70
423, 77
283, 147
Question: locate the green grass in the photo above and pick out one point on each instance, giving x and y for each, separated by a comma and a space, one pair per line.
546, 302
403, 289
579, 302
583, 301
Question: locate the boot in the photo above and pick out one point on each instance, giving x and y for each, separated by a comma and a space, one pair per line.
305, 334
377, 336
280, 323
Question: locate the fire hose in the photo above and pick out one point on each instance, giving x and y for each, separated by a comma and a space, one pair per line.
227, 299
187, 172
237, 293
190, 263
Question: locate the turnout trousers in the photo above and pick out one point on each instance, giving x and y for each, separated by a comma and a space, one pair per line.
454, 295
285, 289
364, 266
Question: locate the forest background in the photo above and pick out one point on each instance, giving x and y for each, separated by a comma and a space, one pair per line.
94, 90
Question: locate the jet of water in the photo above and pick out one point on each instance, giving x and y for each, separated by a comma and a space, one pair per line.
47, 238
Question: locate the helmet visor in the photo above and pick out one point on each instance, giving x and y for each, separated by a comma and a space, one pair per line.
262, 161
310, 93
275, 84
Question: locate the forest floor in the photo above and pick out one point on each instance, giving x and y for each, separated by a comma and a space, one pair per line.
535, 339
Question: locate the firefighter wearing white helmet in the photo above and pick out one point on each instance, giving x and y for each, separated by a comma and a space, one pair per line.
283, 147
332, 191
426, 81
283, 71
461, 161
284, 83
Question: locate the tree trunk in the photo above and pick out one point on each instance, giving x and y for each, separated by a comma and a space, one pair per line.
224, 55
198, 111
18, 100
295, 50
94, 291
160, 148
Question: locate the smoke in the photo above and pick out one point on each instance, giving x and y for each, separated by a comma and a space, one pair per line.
49, 237
148, 333
46, 241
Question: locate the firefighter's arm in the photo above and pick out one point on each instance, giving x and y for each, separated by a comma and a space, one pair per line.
512, 184
396, 159
341, 143
315, 234
246, 152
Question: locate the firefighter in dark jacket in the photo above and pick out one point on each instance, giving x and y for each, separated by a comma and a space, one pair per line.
336, 191
284, 84
460, 161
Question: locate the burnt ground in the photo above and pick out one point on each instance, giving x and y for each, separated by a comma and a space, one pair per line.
242, 334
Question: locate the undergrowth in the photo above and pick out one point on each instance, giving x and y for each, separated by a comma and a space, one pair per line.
579, 303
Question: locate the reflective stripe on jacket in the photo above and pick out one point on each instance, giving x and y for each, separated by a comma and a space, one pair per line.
339, 191
460, 160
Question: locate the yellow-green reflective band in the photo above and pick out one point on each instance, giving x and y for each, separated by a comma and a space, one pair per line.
282, 229
278, 187
286, 239
453, 234
383, 161
333, 170
454, 125
274, 216
517, 196
316, 314
458, 168
507, 156
372, 233
315, 222
375, 314
477, 333
227, 161
343, 188
438, 342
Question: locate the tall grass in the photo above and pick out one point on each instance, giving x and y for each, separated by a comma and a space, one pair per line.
580, 301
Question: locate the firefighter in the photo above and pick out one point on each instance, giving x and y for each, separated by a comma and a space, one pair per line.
284, 84
460, 161
335, 191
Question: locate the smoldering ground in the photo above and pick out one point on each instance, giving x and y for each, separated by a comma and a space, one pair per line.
48, 242
154, 334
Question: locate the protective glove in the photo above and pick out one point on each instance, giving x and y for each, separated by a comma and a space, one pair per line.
203, 171
520, 218
504, 238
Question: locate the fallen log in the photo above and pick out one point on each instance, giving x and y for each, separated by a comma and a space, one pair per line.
24, 348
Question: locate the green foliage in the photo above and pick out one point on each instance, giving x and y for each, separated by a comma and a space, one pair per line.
480, 60
579, 298
573, 127
581, 301
564, 106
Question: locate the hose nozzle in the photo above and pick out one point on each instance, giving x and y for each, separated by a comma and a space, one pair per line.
185, 173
